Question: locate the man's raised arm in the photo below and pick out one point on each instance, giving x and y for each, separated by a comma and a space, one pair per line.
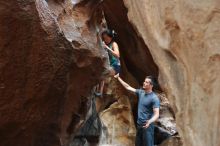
126, 85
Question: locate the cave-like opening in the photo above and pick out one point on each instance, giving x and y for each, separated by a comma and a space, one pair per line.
134, 52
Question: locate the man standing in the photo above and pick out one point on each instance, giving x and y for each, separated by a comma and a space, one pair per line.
148, 111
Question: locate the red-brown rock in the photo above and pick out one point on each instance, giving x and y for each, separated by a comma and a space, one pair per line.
49, 61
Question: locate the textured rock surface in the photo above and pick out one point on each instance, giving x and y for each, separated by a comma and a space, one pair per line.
48, 64
117, 118
49, 61
165, 126
174, 141
90, 132
112, 123
183, 38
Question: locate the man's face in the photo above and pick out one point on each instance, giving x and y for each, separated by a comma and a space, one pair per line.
147, 84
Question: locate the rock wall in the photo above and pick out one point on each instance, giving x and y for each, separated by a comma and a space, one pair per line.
183, 38
49, 61
116, 116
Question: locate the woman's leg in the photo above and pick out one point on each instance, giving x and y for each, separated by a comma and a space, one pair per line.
117, 69
101, 88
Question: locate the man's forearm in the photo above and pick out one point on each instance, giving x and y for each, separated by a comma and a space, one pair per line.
153, 119
155, 116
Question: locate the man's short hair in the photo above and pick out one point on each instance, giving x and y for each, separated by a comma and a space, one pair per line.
152, 80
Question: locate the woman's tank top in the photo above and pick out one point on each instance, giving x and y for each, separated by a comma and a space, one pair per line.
113, 60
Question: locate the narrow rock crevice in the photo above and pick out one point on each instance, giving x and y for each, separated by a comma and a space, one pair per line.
134, 52
118, 111
51, 58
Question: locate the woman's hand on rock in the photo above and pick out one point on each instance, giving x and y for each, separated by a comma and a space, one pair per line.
116, 76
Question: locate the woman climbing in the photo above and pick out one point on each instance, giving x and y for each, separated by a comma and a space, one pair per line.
114, 56
113, 51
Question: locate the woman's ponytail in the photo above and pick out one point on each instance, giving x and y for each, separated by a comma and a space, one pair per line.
114, 34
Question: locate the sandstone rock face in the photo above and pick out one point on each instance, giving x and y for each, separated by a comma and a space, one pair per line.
183, 38
117, 118
165, 126
174, 141
49, 61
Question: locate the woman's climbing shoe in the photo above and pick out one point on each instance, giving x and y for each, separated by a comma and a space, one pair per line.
107, 95
98, 94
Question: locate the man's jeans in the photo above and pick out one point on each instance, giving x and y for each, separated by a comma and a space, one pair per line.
145, 136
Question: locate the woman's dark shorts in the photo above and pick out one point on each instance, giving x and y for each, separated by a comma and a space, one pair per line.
117, 68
